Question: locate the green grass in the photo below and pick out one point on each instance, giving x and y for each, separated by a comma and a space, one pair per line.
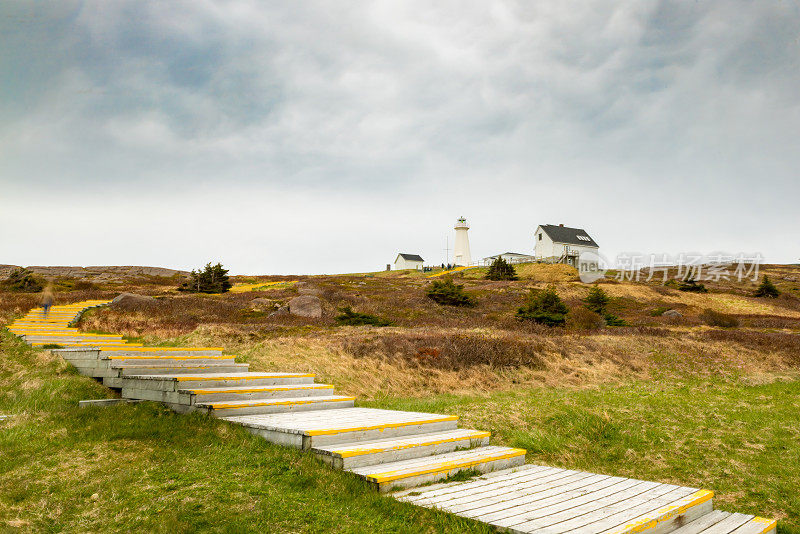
741, 441
144, 468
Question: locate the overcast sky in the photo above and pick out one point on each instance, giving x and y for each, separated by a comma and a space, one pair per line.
322, 137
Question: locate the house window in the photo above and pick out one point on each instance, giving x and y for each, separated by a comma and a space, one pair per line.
540, 237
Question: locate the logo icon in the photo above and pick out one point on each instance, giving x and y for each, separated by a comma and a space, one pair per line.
592, 267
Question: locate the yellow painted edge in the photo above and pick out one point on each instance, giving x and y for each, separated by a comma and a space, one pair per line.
445, 466
665, 513
372, 450
188, 378
770, 523
169, 357
140, 347
164, 367
91, 346
262, 388
82, 337
381, 427
218, 406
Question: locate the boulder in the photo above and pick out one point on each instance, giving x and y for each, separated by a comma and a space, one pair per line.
310, 291
305, 288
672, 313
306, 306
131, 299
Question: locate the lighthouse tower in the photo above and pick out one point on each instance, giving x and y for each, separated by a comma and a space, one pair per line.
461, 254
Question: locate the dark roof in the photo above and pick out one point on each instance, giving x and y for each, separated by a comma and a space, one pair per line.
565, 234
411, 257
510, 253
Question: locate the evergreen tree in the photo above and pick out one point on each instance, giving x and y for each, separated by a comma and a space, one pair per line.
691, 285
597, 300
353, 318
767, 289
544, 307
449, 294
501, 270
211, 279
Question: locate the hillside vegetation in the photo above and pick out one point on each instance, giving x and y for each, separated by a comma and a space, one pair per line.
700, 389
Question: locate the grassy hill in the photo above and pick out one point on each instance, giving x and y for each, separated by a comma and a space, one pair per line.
673, 399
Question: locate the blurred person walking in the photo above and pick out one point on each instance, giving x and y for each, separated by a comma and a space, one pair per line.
46, 299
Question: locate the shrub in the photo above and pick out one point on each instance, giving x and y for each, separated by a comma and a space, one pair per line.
613, 320
450, 351
350, 318
212, 279
658, 312
690, 284
84, 285
501, 270
544, 307
715, 318
584, 319
447, 293
767, 289
597, 300
24, 281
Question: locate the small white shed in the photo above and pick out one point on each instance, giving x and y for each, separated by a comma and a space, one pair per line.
408, 261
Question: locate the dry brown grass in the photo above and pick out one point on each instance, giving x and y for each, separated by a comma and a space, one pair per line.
434, 349
372, 363
546, 273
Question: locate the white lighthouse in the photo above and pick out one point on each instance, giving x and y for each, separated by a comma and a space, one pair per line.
461, 253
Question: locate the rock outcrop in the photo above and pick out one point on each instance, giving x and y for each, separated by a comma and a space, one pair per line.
96, 272
306, 306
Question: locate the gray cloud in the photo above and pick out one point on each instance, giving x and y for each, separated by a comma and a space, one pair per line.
659, 126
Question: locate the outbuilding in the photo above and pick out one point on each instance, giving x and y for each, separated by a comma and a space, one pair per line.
510, 257
408, 261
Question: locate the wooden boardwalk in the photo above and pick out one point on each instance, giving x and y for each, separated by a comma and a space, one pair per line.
389, 449
548, 500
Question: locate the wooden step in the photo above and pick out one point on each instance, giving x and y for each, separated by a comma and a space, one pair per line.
307, 430
180, 368
190, 380
231, 393
133, 350
411, 473
364, 453
187, 398
719, 522
553, 501
281, 405
166, 359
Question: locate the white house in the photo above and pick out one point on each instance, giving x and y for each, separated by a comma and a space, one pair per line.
408, 261
510, 257
562, 244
